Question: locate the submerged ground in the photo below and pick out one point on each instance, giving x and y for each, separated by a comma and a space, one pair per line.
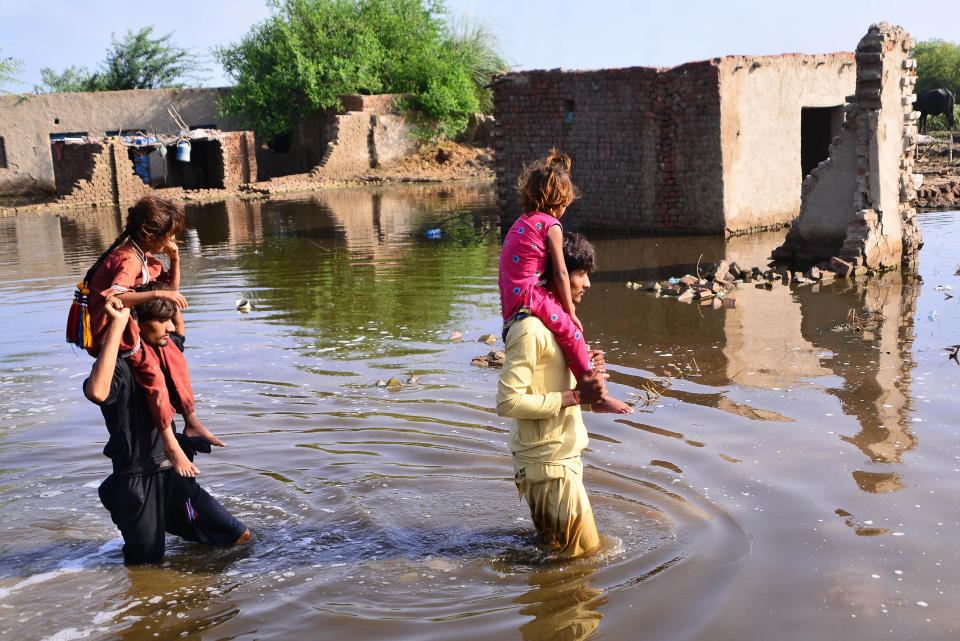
795, 481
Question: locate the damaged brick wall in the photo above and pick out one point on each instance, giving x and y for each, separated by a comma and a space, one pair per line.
102, 172
95, 173
858, 207
239, 158
371, 133
645, 144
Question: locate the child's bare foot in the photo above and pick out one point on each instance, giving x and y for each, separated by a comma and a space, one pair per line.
197, 429
180, 462
610, 405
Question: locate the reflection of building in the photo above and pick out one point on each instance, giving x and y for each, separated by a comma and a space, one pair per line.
371, 222
875, 366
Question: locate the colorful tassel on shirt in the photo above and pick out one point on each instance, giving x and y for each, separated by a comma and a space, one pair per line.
78, 318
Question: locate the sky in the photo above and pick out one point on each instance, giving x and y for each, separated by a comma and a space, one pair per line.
534, 34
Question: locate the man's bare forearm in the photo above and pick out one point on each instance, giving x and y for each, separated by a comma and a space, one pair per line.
97, 387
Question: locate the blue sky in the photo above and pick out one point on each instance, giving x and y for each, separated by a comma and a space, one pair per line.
534, 34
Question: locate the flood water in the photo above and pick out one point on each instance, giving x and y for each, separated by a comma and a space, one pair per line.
794, 482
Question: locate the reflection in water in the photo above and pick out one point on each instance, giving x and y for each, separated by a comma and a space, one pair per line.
389, 513
875, 365
563, 604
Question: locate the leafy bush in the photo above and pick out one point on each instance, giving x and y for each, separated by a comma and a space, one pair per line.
310, 52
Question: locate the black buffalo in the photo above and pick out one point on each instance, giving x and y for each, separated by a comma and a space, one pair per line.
933, 102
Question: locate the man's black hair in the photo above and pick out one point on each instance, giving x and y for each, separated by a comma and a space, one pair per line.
578, 253
159, 309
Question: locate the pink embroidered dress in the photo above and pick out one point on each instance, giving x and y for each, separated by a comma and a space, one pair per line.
523, 262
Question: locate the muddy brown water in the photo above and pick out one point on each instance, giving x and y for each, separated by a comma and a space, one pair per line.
794, 482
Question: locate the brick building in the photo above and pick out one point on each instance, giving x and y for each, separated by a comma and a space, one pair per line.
711, 147
94, 171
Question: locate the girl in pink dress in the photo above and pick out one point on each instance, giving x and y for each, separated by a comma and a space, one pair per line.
536, 237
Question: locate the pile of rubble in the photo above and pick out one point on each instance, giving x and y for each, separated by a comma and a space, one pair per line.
713, 287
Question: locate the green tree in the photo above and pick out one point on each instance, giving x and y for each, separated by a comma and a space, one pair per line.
9, 68
938, 65
139, 61
309, 52
71, 79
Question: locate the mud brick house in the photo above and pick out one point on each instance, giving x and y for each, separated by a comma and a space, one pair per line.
123, 169
29, 123
711, 147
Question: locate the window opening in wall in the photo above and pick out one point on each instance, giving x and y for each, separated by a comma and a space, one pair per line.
818, 127
3, 154
568, 109
68, 136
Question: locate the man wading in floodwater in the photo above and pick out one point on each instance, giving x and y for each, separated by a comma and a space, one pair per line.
145, 496
548, 434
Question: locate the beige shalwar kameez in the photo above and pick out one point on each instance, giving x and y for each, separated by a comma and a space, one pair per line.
546, 439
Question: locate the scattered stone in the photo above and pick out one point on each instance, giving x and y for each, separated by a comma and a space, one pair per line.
841, 267
722, 271
785, 275
392, 384
689, 280
813, 273
826, 274
716, 303
456, 336
704, 294
730, 303
685, 296
243, 305
736, 271
654, 287
413, 379
489, 339
493, 359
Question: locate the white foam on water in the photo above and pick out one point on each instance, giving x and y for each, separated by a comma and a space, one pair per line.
69, 566
69, 634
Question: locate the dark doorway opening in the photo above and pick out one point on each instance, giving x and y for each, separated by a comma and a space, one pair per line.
818, 126
204, 171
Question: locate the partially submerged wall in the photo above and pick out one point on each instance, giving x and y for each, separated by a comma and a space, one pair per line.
859, 206
765, 104
28, 121
100, 172
645, 143
705, 148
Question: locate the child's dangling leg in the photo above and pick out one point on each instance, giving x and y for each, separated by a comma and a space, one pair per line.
546, 307
148, 375
178, 383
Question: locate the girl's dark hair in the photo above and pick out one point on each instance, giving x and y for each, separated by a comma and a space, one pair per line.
545, 185
150, 219
157, 308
